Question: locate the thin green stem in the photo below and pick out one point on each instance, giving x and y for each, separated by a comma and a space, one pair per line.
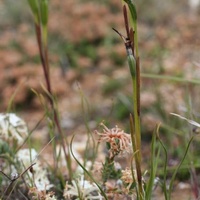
177, 169
171, 78
136, 133
86, 171
165, 167
155, 153
134, 66
136, 113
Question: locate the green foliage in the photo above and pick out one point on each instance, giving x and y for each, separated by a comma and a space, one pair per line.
34, 6
117, 59
4, 148
109, 171
111, 86
122, 110
71, 53
155, 154
183, 174
85, 48
44, 12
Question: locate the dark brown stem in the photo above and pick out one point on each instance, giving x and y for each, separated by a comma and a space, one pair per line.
132, 40
42, 57
126, 21
43, 50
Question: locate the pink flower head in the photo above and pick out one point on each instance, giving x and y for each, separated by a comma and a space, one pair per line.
119, 141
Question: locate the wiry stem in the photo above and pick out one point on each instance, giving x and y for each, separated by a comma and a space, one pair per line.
131, 45
42, 57
43, 50
40, 13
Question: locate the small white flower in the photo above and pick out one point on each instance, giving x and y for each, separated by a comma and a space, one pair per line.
27, 156
12, 128
49, 197
39, 175
82, 189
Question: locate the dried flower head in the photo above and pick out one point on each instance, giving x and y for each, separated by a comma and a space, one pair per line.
12, 129
127, 176
82, 189
43, 195
119, 141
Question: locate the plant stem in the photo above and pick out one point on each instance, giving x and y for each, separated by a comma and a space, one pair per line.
43, 51
134, 66
136, 114
136, 108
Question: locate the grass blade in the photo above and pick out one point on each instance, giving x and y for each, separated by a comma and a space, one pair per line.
154, 164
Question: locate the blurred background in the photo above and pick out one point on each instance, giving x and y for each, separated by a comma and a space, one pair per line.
87, 57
